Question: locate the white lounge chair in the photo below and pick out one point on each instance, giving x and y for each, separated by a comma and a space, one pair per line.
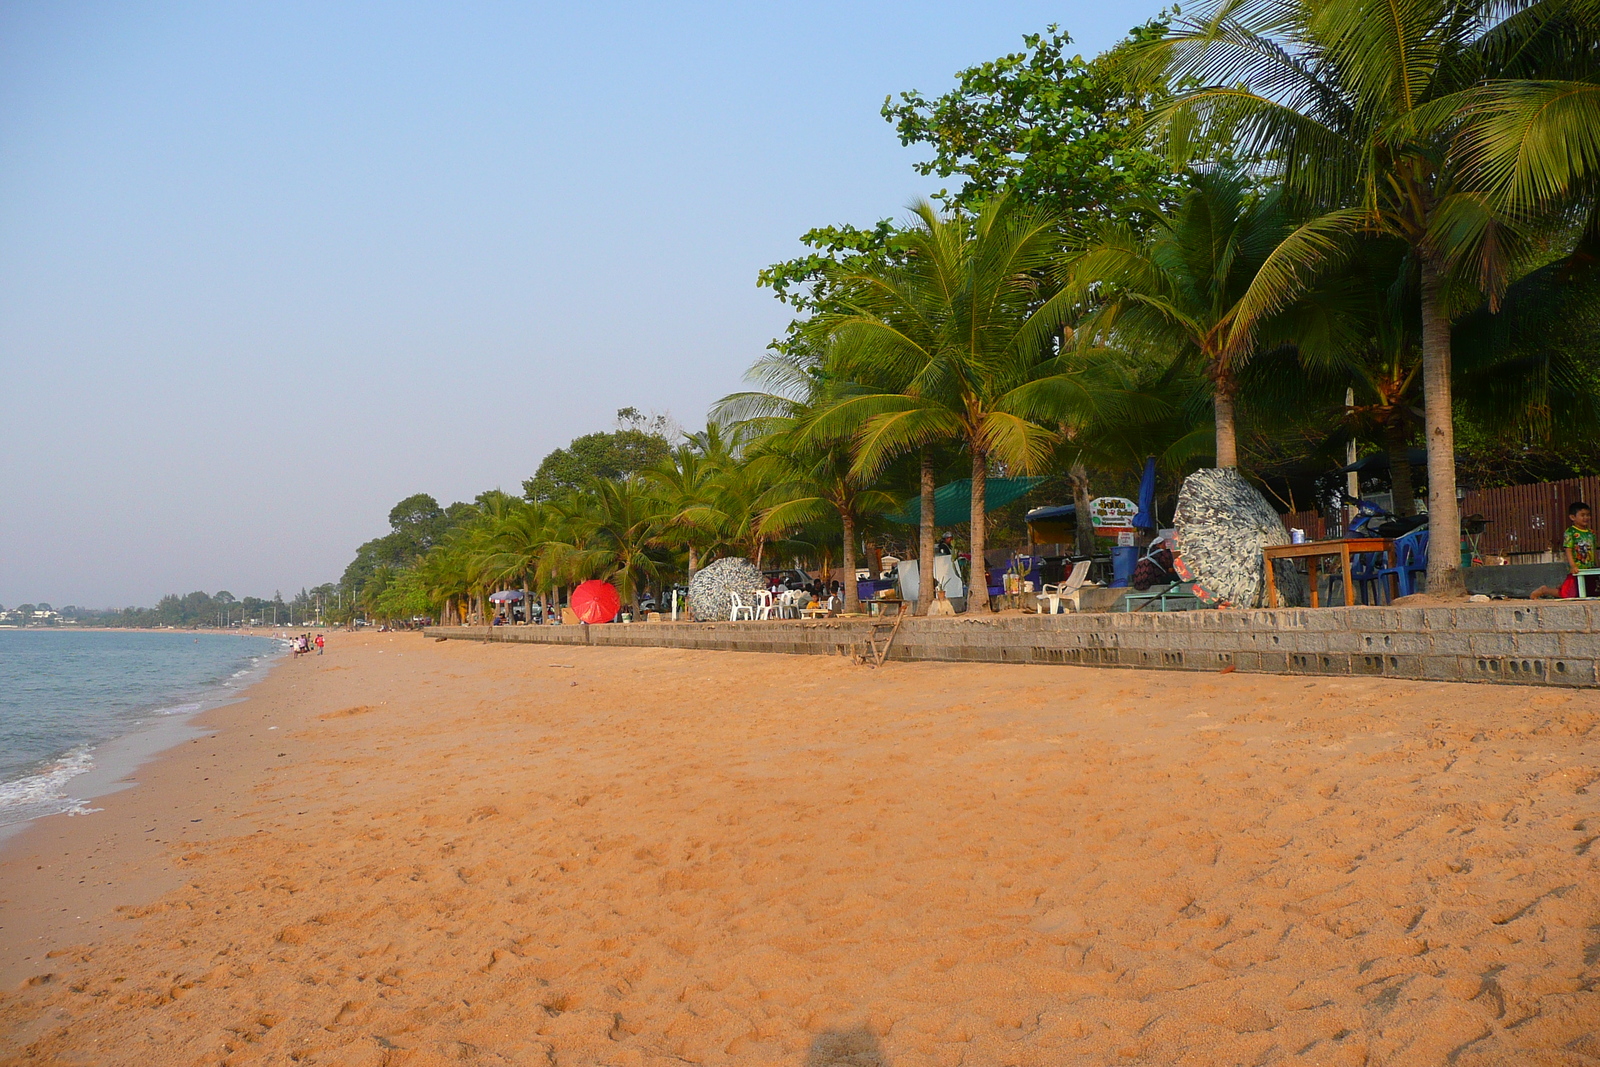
1068, 591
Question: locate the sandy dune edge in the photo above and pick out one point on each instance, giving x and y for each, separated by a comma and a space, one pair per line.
489, 854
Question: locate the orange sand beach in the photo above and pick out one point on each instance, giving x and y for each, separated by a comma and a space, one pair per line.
413, 853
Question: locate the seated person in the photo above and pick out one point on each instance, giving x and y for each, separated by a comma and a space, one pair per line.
1156, 568
1579, 544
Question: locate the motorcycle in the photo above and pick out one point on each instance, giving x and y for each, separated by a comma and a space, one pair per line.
1374, 521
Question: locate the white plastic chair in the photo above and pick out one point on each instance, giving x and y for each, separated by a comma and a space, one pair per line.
1069, 590
740, 606
765, 605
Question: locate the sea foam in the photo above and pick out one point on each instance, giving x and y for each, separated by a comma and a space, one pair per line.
44, 792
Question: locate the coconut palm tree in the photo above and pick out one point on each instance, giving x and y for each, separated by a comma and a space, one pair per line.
1455, 126
518, 537
820, 483
686, 483
611, 531
956, 345
444, 578
1180, 287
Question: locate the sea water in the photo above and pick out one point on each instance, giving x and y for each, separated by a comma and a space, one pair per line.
68, 697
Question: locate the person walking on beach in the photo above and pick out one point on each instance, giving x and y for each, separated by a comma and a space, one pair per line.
319, 644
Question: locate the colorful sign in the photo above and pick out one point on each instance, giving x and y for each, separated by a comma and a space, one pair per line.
1112, 515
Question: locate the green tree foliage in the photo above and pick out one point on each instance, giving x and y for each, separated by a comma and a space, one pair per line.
1414, 207
637, 443
1044, 125
201, 610
1181, 285
958, 346
402, 597
416, 524
1464, 129
805, 282
1047, 126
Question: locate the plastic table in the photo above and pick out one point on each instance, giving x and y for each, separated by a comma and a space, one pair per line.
1586, 587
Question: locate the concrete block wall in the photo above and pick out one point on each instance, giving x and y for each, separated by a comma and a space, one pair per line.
1546, 643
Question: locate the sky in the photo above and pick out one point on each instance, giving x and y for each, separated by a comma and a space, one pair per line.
266, 269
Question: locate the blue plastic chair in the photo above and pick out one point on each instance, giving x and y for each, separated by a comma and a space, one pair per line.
1366, 572
1410, 557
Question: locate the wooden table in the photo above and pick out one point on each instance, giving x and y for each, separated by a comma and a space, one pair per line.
1312, 551
878, 605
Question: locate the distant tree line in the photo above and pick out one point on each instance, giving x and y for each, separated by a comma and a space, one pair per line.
197, 610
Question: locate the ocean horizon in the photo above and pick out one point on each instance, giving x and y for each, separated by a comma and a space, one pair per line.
71, 699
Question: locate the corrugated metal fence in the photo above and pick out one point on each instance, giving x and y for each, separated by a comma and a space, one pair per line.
1528, 518
1522, 518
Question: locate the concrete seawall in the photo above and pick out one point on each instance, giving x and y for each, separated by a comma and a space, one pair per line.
1555, 643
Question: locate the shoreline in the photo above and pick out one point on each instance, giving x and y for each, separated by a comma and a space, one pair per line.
266, 631
488, 853
46, 859
167, 722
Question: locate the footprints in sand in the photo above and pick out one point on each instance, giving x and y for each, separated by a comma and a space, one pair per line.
1079, 875
350, 712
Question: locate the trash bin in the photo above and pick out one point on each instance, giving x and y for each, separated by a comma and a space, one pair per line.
1123, 559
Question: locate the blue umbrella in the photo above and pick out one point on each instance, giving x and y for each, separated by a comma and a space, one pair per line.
1146, 519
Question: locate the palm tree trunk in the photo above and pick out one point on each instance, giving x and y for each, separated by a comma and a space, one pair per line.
1444, 516
978, 573
925, 579
694, 563
852, 597
1084, 540
1227, 430
1396, 443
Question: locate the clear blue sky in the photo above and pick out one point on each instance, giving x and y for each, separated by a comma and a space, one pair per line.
267, 268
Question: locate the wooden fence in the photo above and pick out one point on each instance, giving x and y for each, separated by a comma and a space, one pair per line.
1318, 527
1523, 519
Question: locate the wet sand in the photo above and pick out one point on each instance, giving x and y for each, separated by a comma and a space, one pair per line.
493, 854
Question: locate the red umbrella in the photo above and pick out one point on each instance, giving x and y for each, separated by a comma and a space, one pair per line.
596, 601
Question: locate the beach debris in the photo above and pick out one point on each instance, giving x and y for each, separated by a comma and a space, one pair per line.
1223, 523
712, 587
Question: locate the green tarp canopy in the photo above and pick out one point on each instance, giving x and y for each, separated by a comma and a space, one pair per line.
952, 503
